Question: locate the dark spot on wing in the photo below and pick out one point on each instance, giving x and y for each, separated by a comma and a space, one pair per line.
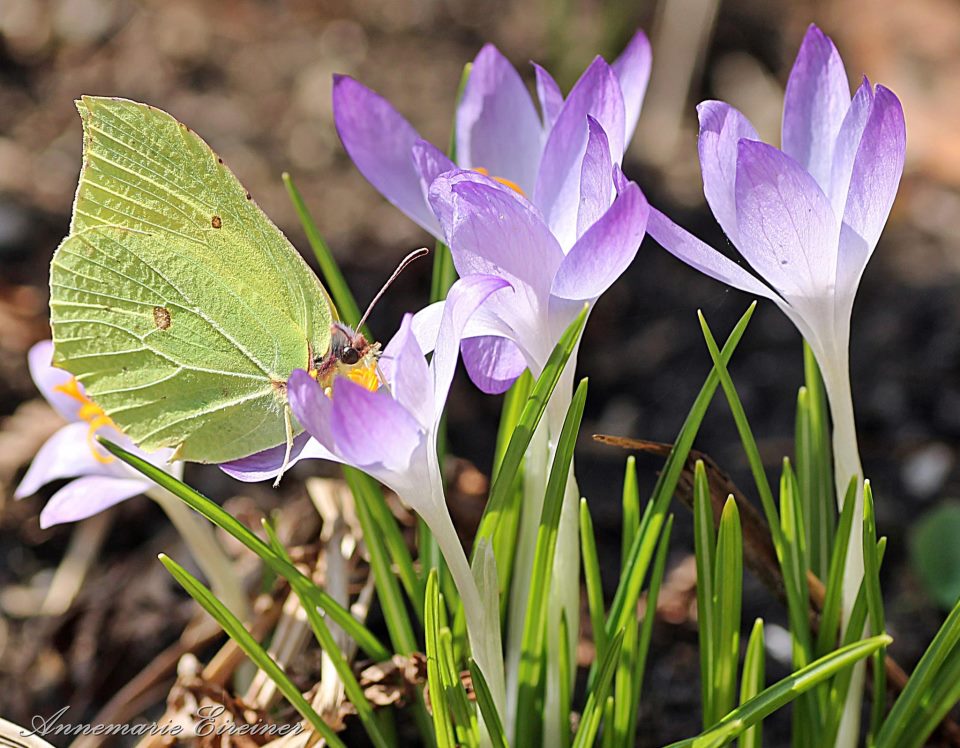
219, 160
249, 197
279, 386
216, 222
161, 317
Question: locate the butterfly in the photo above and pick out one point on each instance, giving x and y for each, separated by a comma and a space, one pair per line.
178, 304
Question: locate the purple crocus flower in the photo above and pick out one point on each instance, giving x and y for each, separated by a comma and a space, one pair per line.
500, 133
100, 480
391, 434
491, 229
806, 216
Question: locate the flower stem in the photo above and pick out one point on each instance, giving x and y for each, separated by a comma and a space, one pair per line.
482, 625
206, 551
846, 465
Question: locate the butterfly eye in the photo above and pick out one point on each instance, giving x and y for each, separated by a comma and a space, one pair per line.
349, 356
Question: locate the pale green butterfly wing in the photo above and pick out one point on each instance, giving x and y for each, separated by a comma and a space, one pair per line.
175, 301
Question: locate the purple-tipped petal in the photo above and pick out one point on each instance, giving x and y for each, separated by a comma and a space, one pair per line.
816, 100
557, 194
492, 363
491, 229
430, 162
620, 181
633, 71
407, 373
877, 168
873, 187
721, 128
371, 430
311, 407
596, 178
380, 142
498, 128
87, 496
463, 300
605, 250
48, 379
847, 145
686, 247
66, 454
268, 464
550, 96
787, 230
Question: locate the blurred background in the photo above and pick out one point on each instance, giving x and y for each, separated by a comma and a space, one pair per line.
253, 78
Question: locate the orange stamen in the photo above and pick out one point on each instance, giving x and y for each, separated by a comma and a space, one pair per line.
93, 415
506, 182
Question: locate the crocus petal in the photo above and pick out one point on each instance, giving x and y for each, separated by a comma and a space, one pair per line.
406, 370
371, 430
816, 100
498, 128
493, 363
596, 178
380, 140
492, 230
847, 145
312, 407
686, 247
557, 194
463, 300
877, 169
87, 496
721, 128
268, 464
787, 230
48, 378
430, 162
633, 71
551, 99
873, 187
605, 250
66, 454
620, 181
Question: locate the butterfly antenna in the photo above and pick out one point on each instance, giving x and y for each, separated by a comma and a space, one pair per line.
404, 263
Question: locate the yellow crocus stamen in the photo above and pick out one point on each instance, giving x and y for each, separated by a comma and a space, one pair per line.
93, 415
506, 182
366, 376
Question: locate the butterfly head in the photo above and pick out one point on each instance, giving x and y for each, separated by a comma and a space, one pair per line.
351, 356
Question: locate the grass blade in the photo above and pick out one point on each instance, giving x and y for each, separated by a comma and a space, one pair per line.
432, 605
705, 543
597, 700
727, 597
566, 675
746, 434
628, 589
631, 508
340, 292
340, 662
222, 519
646, 628
591, 575
251, 647
395, 614
751, 683
830, 617
776, 696
871, 576
922, 683
488, 710
502, 489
